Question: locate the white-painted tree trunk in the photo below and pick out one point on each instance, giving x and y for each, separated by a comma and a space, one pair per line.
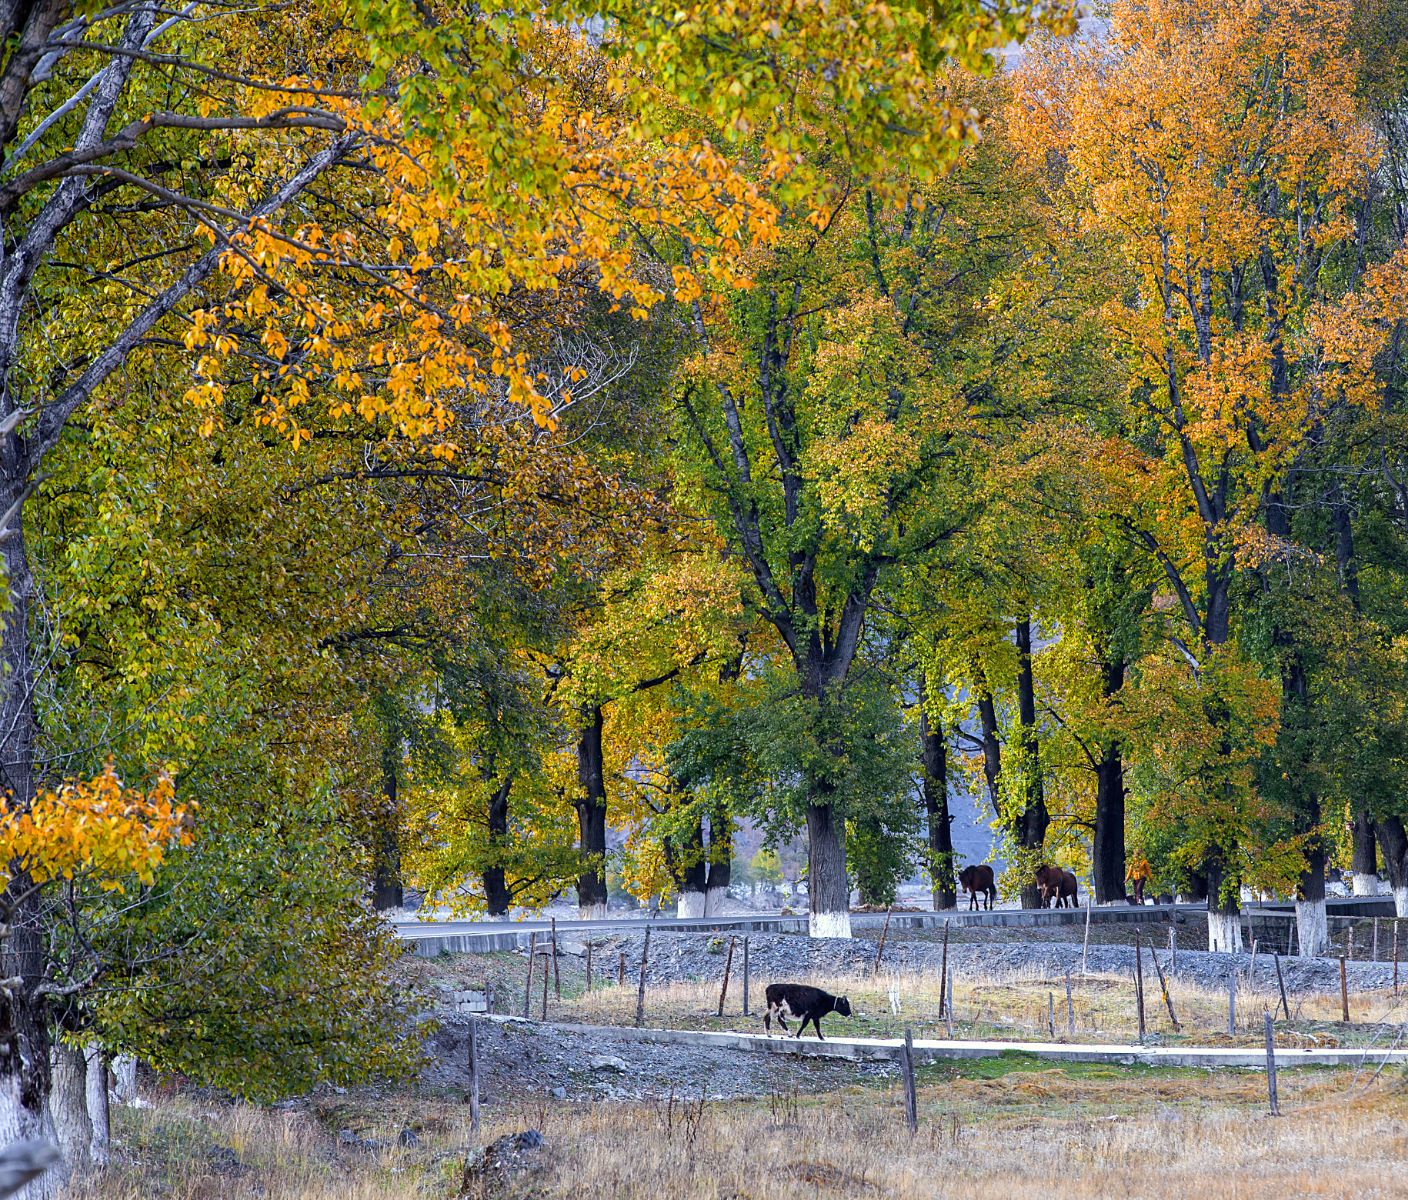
1365, 885
1224, 932
124, 1072
1400, 901
68, 1103
715, 901
18, 1124
829, 925
691, 904
1312, 928
98, 1115
585, 912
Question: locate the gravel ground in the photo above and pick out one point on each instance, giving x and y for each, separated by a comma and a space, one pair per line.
522, 1058
775, 956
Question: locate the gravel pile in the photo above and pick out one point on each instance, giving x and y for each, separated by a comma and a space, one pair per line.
521, 1058
774, 956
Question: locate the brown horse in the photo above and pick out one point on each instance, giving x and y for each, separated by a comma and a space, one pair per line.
1055, 884
975, 879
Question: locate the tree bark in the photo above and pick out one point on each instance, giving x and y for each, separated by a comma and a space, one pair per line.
1312, 928
1224, 912
1364, 864
1108, 850
1032, 821
691, 872
591, 815
720, 861
24, 1023
496, 894
933, 756
828, 888
68, 1102
992, 749
96, 1066
387, 892
1393, 844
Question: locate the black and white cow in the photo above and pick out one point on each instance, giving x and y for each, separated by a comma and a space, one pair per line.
803, 1001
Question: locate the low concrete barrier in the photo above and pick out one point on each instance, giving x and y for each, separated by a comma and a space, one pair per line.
431, 938
928, 1050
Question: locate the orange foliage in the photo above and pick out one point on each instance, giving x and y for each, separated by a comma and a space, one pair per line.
97, 826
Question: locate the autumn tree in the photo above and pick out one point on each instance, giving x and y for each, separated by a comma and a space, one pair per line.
1222, 152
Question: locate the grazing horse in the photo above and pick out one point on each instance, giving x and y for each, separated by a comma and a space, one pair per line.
1056, 884
976, 879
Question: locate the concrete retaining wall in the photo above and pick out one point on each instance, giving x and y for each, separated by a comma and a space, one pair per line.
430, 938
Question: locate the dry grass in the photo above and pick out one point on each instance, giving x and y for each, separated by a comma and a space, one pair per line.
1012, 1007
989, 1129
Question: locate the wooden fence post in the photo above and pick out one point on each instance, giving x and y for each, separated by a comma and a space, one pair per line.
1173, 942
1271, 1068
474, 1075
1139, 980
621, 970
1070, 1007
556, 978
911, 1099
1085, 949
589, 964
528, 990
1281, 983
1232, 1001
950, 1003
640, 991
728, 966
880, 950
1051, 1015
1375, 954
1395, 956
745, 977
1344, 991
546, 952
1163, 987
943, 974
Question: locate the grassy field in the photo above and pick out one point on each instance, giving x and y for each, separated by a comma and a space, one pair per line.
1000, 1008
991, 1128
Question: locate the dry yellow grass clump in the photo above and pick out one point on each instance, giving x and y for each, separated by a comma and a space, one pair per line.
993, 1128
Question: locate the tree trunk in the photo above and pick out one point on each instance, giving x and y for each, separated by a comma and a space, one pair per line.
933, 756
96, 1082
496, 894
591, 815
387, 892
124, 1079
691, 872
1033, 820
1312, 926
24, 1025
992, 750
1107, 865
1197, 890
68, 1102
828, 889
1364, 863
720, 862
1393, 844
1224, 912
